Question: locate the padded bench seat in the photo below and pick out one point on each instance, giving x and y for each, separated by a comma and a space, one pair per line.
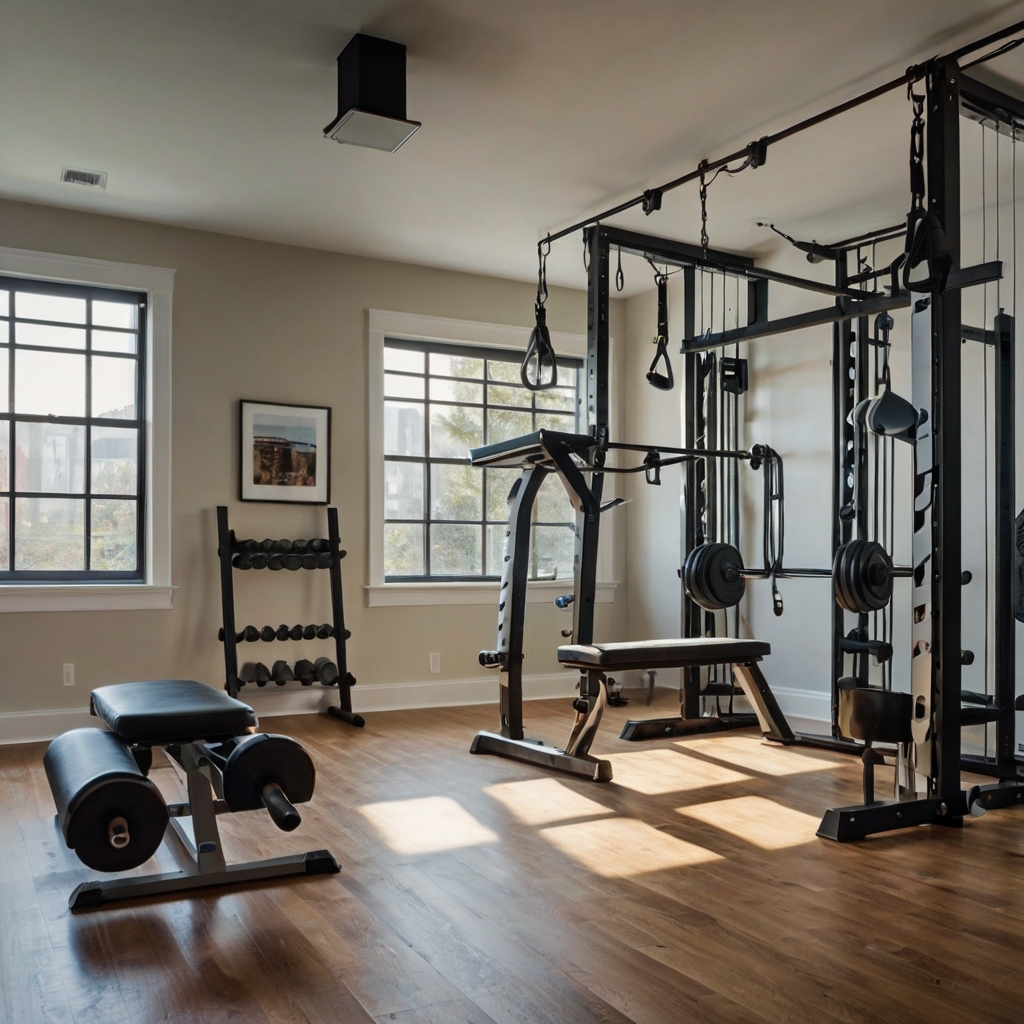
678, 653
165, 711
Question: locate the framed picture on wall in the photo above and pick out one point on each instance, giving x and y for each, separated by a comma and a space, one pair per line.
285, 453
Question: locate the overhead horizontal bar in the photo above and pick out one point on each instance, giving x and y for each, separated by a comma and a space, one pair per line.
913, 74
844, 309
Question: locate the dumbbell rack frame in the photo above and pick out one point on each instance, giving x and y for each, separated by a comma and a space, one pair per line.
226, 547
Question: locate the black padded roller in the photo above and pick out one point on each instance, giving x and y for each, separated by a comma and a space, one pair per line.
265, 760
111, 815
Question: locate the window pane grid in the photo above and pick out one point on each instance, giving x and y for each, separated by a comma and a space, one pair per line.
443, 546
72, 476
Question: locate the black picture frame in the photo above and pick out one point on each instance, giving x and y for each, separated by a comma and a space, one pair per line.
289, 446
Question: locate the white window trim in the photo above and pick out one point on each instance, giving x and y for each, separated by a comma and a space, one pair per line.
156, 590
412, 327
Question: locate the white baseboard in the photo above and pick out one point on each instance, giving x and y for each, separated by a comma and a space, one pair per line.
809, 705
34, 726
406, 696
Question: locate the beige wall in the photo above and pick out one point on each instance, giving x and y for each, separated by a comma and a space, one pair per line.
265, 321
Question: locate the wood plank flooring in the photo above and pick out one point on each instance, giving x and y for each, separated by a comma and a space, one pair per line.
476, 890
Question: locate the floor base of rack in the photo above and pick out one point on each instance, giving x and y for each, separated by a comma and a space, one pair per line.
347, 716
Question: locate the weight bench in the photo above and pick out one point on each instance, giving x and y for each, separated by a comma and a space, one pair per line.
595, 661
114, 817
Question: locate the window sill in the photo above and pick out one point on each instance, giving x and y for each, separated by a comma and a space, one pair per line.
110, 597
393, 595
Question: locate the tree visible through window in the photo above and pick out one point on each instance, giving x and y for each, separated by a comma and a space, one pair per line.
446, 519
72, 425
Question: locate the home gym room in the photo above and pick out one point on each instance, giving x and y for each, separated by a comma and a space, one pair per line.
509, 513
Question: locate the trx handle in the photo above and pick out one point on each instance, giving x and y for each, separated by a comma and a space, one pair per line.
662, 381
540, 354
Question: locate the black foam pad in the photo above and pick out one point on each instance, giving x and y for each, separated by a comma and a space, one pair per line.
163, 711
644, 654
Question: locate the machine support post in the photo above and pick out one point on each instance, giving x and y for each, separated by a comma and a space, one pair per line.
1005, 625
943, 150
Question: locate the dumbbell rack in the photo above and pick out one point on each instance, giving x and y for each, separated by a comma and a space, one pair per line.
230, 550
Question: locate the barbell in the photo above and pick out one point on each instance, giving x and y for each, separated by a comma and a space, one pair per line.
862, 573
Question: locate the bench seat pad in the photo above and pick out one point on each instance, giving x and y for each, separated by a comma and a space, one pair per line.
676, 653
162, 711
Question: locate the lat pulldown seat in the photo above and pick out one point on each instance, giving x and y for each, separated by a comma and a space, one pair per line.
114, 817
598, 659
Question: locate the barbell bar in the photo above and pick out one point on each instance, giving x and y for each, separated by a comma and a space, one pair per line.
715, 578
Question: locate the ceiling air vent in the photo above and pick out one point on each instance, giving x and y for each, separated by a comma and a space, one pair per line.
76, 176
371, 95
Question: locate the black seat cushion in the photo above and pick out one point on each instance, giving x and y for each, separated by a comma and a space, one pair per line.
162, 711
643, 654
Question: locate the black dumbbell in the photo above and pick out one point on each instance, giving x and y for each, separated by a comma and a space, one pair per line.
275, 562
242, 560
293, 562
324, 631
299, 546
309, 632
284, 546
308, 560
326, 671
245, 673
282, 632
248, 545
295, 633
267, 545
282, 673
323, 560
304, 671
318, 544
258, 560
268, 633
250, 634
254, 672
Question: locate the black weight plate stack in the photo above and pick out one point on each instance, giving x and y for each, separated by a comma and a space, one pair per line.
876, 577
707, 578
862, 576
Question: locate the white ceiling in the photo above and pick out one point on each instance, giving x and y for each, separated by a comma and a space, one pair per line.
534, 114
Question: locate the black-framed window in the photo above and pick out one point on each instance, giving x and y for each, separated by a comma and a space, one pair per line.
445, 519
72, 432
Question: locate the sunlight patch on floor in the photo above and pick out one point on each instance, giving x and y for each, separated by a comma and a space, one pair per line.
754, 754
624, 847
430, 824
757, 820
543, 801
653, 772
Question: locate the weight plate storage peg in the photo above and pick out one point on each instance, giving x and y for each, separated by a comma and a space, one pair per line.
713, 576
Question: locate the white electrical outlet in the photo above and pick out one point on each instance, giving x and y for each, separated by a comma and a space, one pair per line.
69, 674
435, 662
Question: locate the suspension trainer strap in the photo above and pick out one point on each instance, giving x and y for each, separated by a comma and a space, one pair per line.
662, 381
926, 237
540, 354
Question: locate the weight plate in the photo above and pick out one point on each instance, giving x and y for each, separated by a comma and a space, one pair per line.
877, 576
725, 592
844, 592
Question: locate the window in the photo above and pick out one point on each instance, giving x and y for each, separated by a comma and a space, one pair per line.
444, 519
72, 432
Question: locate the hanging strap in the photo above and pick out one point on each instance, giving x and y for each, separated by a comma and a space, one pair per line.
540, 354
926, 237
662, 381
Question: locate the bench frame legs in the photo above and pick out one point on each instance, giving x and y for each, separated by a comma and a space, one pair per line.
195, 825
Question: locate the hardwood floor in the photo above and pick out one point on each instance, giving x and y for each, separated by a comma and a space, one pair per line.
477, 890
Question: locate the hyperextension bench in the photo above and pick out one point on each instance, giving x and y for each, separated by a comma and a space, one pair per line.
114, 817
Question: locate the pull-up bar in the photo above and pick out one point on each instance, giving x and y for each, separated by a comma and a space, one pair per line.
754, 152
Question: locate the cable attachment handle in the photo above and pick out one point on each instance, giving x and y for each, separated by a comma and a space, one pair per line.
926, 237
662, 381
652, 468
540, 354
